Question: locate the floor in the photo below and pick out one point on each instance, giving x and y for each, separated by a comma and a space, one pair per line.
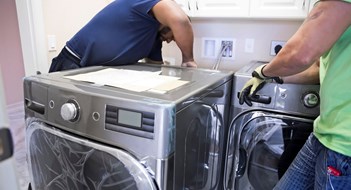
17, 127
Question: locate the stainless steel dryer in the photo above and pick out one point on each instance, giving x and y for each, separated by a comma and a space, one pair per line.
265, 138
86, 136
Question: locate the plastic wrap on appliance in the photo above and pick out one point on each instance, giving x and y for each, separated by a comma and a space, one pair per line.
61, 160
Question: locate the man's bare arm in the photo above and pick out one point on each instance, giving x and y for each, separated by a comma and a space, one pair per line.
168, 13
324, 25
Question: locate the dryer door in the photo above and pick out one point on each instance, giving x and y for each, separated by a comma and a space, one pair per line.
261, 146
58, 160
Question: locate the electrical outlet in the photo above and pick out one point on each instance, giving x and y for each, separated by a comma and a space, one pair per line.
227, 48
276, 46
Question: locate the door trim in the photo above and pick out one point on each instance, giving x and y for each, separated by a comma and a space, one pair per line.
32, 35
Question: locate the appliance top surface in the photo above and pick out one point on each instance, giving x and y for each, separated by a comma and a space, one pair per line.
198, 81
249, 68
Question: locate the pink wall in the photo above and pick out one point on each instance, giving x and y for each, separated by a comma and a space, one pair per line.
11, 60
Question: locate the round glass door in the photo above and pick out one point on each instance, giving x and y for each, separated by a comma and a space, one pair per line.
58, 160
262, 146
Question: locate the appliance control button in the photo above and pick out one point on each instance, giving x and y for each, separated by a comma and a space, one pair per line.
96, 116
311, 100
51, 104
69, 111
283, 95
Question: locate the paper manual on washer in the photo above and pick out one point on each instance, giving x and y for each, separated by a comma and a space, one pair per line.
137, 81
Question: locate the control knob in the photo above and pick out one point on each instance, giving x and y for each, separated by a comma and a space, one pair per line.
70, 111
311, 100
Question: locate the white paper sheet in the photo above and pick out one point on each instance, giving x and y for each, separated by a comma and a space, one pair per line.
137, 81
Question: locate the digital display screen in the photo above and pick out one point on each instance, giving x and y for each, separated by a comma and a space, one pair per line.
129, 118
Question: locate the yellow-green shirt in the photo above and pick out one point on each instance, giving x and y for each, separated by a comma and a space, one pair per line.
333, 126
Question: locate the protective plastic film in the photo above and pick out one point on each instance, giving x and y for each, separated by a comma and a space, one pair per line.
262, 144
199, 148
58, 160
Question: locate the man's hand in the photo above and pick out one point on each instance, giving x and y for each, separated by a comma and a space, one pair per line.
189, 64
255, 84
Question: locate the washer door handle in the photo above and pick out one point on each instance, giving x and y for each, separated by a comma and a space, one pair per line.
259, 98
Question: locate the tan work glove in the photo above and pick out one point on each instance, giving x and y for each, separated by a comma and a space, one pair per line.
256, 83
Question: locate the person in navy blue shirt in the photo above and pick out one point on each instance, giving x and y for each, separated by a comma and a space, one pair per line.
126, 31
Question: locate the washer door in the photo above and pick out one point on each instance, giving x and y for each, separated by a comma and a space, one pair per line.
264, 143
58, 160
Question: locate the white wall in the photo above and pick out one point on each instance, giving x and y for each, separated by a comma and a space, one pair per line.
262, 31
64, 18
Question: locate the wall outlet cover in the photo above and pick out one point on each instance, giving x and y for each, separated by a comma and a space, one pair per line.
230, 44
276, 46
208, 47
212, 47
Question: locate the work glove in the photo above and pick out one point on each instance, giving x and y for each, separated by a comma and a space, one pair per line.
257, 81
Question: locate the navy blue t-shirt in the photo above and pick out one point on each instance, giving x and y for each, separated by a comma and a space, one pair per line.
121, 33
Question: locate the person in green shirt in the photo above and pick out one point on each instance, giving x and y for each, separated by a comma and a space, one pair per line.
320, 50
